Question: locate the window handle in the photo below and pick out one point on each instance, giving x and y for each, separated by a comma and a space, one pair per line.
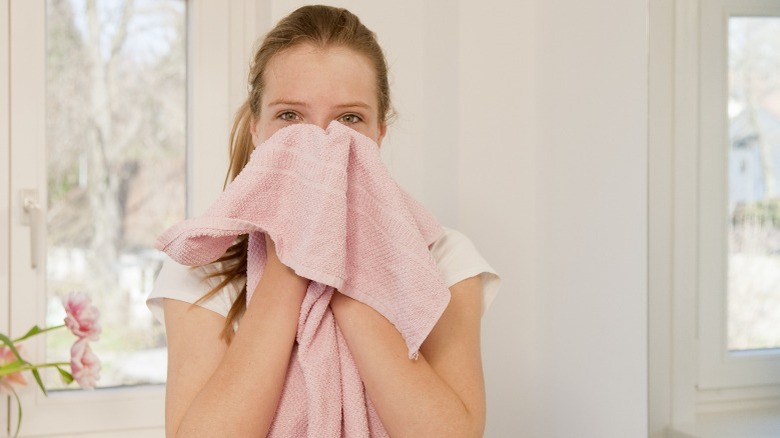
32, 217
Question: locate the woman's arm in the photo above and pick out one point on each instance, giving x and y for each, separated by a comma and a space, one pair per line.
442, 392
218, 390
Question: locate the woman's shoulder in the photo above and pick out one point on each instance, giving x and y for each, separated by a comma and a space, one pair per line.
188, 284
458, 258
449, 240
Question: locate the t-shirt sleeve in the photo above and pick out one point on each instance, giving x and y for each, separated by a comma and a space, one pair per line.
458, 259
182, 283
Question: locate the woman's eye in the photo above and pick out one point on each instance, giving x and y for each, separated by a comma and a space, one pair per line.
288, 116
350, 118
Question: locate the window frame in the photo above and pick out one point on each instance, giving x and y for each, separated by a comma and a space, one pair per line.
719, 368
220, 38
677, 298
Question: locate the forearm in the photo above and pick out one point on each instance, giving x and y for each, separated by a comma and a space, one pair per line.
410, 397
241, 396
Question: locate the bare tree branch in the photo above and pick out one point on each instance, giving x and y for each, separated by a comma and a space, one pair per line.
121, 31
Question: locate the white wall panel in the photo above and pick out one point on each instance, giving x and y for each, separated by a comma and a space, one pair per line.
591, 195
496, 198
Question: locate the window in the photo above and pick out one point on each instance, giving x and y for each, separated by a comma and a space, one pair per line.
753, 174
739, 220
115, 170
706, 219
99, 129
116, 126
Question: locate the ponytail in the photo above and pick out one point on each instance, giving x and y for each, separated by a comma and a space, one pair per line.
234, 259
240, 142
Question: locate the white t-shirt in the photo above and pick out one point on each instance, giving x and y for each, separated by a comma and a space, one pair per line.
456, 257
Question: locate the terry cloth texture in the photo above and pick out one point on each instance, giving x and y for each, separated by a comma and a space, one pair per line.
338, 218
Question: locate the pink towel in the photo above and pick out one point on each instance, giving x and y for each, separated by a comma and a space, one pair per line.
338, 218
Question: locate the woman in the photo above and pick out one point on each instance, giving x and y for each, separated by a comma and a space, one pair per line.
317, 65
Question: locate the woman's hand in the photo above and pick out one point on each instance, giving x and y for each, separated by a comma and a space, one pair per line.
272, 259
218, 390
439, 394
274, 267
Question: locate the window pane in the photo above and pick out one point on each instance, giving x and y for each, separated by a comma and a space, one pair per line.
116, 160
754, 180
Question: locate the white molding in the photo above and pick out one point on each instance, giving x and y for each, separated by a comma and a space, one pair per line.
133, 433
660, 197
713, 126
249, 21
680, 433
5, 151
684, 170
752, 423
99, 411
209, 112
223, 36
27, 143
738, 399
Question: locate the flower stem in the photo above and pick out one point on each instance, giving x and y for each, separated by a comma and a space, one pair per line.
37, 331
28, 366
7, 386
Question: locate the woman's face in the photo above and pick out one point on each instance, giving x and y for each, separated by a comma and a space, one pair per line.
305, 84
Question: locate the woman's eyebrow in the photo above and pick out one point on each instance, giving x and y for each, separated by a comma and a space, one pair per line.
357, 104
287, 102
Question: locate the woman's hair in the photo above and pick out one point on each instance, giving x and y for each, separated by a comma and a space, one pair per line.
322, 27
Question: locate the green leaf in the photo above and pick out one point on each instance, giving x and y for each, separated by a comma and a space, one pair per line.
37, 376
32, 332
66, 376
33, 368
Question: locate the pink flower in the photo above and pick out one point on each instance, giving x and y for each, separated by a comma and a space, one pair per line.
84, 365
6, 357
82, 319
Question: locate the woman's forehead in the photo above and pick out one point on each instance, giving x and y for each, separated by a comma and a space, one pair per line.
306, 73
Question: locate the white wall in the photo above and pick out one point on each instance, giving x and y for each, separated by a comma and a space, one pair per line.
523, 123
553, 188
497, 197
591, 141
